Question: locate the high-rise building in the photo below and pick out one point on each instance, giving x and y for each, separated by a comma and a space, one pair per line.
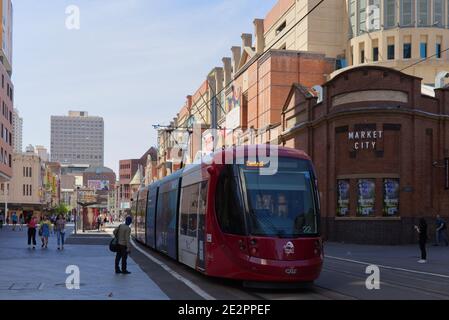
77, 139
17, 137
6, 34
42, 152
407, 35
6, 91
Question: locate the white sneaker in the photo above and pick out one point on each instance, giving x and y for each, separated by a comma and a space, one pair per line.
422, 261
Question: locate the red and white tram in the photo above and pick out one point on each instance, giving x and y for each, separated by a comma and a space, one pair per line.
230, 221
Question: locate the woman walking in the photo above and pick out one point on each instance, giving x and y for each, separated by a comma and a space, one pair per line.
422, 231
45, 226
32, 232
60, 231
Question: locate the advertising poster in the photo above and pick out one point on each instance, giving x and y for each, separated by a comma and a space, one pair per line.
366, 197
102, 185
343, 198
391, 197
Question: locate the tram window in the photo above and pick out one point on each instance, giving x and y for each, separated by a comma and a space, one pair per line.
189, 210
282, 204
229, 214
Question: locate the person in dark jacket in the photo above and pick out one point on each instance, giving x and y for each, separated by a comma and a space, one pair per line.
441, 228
422, 232
123, 235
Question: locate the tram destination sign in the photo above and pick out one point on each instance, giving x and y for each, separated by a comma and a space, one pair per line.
365, 140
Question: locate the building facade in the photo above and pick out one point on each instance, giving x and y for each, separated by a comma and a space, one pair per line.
42, 152
6, 91
77, 139
127, 171
17, 124
25, 192
380, 149
390, 33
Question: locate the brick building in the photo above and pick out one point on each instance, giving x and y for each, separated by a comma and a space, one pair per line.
127, 171
379, 146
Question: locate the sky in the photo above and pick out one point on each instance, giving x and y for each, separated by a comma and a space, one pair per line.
132, 62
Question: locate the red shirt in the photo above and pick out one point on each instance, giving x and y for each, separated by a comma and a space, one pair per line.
32, 224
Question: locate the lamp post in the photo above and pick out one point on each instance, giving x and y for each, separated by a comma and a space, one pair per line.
5, 188
77, 209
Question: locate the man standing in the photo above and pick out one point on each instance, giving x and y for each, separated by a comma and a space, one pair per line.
441, 231
123, 234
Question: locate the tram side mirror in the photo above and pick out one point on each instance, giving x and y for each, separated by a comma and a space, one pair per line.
212, 171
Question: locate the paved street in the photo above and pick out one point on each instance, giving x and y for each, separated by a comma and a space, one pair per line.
40, 274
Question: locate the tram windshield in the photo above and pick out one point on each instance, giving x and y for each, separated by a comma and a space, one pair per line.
282, 204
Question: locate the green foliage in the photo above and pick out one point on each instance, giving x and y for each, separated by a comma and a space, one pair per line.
61, 209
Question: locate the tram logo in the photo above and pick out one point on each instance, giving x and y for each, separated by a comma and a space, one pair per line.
291, 271
289, 248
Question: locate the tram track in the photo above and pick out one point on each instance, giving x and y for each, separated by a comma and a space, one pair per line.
395, 284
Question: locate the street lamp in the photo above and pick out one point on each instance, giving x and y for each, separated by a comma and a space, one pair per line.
77, 209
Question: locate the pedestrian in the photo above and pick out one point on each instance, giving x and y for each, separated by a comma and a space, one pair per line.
21, 222
123, 234
14, 221
7, 220
1, 220
440, 233
98, 223
45, 228
422, 232
32, 232
60, 231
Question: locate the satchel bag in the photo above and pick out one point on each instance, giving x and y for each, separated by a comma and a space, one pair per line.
113, 245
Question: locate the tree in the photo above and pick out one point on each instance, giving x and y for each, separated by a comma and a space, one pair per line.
61, 209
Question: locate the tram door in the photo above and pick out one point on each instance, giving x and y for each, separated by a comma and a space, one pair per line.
188, 224
201, 262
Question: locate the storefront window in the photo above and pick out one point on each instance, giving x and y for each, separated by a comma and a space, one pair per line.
343, 198
366, 197
391, 197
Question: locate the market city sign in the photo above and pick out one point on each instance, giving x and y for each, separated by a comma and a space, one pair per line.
365, 140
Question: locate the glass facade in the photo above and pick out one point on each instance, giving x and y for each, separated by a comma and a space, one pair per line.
353, 17
365, 15
423, 13
438, 13
407, 13
389, 13
362, 17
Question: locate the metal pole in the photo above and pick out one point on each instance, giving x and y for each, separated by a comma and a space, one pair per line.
6, 200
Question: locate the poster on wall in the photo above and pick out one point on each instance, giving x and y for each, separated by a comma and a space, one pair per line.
366, 197
102, 185
391, 197
343, 198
